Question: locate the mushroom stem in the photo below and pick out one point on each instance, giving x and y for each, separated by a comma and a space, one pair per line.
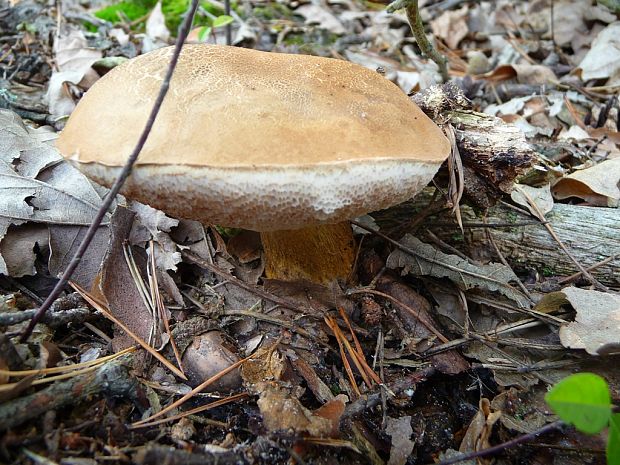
318, 254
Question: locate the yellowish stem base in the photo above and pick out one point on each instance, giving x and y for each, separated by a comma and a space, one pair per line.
318, 254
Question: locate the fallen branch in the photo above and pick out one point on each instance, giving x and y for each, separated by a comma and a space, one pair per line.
417, 28
112, 379
504, 445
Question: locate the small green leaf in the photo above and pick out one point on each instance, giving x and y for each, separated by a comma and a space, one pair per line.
222, 20
204, 33
582, 400
613, 441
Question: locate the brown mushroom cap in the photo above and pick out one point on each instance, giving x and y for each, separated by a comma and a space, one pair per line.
257, 140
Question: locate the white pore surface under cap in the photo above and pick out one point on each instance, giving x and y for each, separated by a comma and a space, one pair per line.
268, 199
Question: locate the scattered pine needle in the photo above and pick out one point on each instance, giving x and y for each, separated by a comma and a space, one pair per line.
66, 368
103, 308
334, 327
457, 177
330, 442
354, 355
193, 411
357, 354
344, 316
192, 393
66, 372
161, 307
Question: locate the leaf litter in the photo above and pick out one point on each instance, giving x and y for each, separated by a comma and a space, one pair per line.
463, 355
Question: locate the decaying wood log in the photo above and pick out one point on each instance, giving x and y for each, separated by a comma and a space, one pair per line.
111, 379
493, 153
592, 234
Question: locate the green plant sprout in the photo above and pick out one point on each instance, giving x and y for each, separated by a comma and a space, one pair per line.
137, 11
220, 21
583, 400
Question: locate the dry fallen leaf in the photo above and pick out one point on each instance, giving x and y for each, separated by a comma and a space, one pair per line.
151, 223
38, 186
574, 133
282, 412
568, 20
73, 58
402, 446
511, 107
540, 195
597, 324
156, 25
451, 26
480, 429
319, 15
17, 249
597, 185
603, 59
525, 73
534, 74
428, 261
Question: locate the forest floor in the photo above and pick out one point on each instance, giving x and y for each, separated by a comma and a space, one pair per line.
466, 306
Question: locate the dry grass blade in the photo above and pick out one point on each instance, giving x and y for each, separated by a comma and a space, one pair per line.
193, 392
139, 283
457, 179
159, 303
66, 372
106, 312
332, 443
196, 410
66, 368
51, 379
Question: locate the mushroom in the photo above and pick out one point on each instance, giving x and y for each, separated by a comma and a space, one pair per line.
291, 146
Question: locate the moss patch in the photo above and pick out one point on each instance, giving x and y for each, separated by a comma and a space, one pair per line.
272, 11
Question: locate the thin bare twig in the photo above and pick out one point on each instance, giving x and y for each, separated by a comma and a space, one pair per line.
504, 445
193, 258
105, 311
539, 214
503, 259
457, 177
122, 177
228, 26
572, 277
417, 28
415, 314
